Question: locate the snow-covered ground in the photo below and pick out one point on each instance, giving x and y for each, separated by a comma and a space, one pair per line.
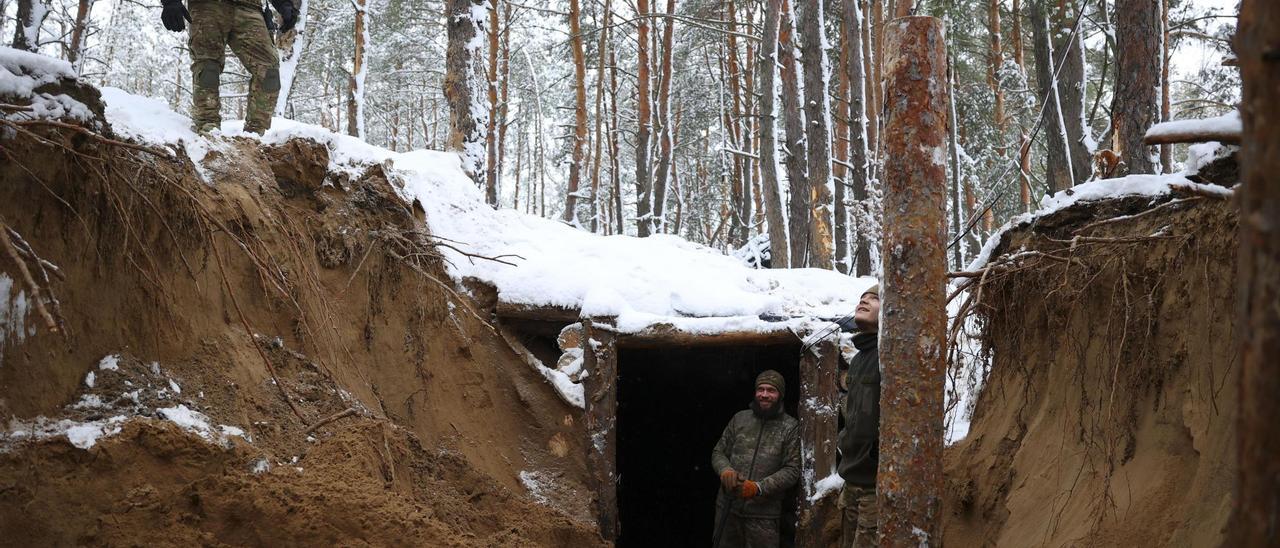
641, 281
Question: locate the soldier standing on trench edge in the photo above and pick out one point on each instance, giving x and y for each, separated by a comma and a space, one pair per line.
758, 460
243, 25
859, 440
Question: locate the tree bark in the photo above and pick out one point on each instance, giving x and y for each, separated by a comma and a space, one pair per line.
644, 194
1058, 172
913, 331
858, 155
793, 128
665, 149
78, 29
818, 133
30, 17
291, 45
1166, 151
598, 159
579, 114
1136, 106
491, 133
355, 93
614, 176
464, 85
779, 248
1071, 88
1256, 520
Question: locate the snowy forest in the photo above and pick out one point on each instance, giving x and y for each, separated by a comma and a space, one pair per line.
649, 117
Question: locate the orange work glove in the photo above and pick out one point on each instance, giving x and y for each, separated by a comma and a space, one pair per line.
749, 490
729, 479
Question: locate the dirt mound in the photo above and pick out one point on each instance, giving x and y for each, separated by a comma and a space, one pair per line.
371, 484
1108, 416
202, 323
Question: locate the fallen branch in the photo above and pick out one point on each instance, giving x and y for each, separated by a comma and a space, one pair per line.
331, 418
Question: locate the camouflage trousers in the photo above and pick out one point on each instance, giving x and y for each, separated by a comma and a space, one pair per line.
858, 517
216, 24
745, 532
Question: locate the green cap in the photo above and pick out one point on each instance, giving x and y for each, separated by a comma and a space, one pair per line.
772, 378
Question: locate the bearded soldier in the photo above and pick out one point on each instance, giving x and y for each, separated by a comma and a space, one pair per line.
241, 24
758, 460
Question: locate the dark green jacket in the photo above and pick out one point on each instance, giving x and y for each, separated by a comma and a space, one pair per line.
859, 440
775, 444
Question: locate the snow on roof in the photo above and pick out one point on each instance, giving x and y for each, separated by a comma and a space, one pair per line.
641, 281
1104, 189
22, 72
1226, 126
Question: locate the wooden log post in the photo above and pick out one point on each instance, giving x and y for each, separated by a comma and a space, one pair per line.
913, 315
818, 410
1256, 521
601, 389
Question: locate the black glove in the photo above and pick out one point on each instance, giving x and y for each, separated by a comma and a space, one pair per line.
288, 17
173, 15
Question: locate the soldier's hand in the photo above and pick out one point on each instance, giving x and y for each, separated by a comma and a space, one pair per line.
728, 479
174, 15
749, 490
288, 16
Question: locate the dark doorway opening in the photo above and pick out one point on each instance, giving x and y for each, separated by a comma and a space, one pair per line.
673, 404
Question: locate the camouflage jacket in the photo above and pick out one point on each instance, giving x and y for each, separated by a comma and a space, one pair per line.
859, 440
775, 445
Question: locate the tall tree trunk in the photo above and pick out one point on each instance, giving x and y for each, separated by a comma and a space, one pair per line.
491, 134
740, 226
793, 129
910, 480
1166, 151
1256, 521
579, 114
1024, 141
1071, 87
464, 85
614, 177
504, 74
291, 45
30, 17
869, 85
817, 112
599, 137
665, 150
957, 213
839, 163
995, 62
644, 194
1137, 105
779, 249
854, 25
355, 103
1058, 171
78, 29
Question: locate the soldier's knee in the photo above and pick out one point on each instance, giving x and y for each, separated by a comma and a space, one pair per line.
271, 80
208, 73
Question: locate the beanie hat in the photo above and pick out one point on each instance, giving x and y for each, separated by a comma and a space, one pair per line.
873, 289
774, 379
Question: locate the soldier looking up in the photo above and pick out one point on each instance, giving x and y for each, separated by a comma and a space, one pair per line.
859, 440
241, 24
758, 459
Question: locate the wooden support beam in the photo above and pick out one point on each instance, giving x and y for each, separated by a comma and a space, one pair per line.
818, 426
913, 293
668, 335
601, 390
537, 312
